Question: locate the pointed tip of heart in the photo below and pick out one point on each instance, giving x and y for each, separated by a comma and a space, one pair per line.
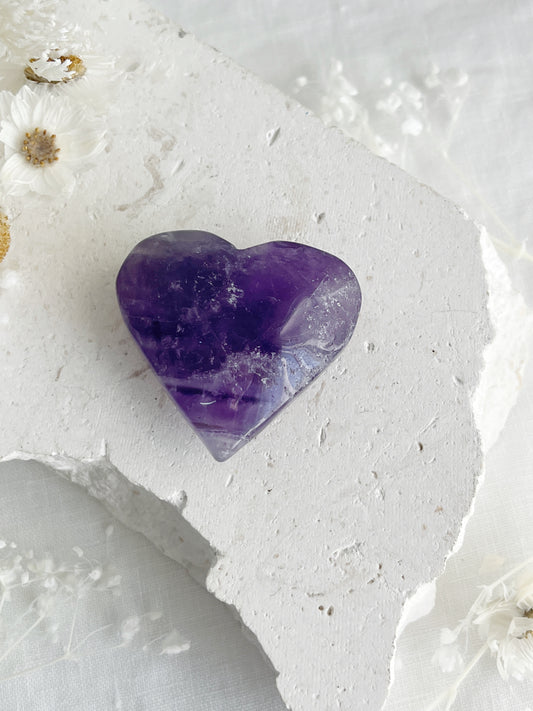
220, 445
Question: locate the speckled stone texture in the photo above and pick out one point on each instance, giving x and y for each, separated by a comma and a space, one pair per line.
235, 334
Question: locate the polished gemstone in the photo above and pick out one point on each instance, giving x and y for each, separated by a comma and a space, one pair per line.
235, 334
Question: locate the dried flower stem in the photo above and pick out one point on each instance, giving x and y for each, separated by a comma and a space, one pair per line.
73, 624
21, 638
490, 588
156, 639
450, 694
67, 655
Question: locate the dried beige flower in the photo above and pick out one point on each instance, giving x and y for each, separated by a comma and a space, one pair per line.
503, 616
54, 67
5, 237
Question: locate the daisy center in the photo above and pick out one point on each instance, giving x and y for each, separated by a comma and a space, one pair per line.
4, 236
39, 147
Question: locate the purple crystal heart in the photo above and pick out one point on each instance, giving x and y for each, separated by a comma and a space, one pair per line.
235, 334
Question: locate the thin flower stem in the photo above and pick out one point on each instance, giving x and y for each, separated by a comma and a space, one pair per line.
39, 579
512, 572
157, 639
490, 588
21, 638
27, 583
91, 634
28, 611
451, 692
15, 675
453, 121
62, 658
69, 645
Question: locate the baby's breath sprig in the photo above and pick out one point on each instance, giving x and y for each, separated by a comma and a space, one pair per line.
40, 595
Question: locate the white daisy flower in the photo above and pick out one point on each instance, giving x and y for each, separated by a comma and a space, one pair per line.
46, 140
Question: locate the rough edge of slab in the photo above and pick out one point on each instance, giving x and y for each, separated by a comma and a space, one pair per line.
504, 358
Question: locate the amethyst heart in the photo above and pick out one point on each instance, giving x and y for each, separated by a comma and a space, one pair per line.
235, 334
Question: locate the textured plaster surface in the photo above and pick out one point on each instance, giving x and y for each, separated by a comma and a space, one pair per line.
353, 497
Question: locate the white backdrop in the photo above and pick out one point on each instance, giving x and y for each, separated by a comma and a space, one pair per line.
444, 89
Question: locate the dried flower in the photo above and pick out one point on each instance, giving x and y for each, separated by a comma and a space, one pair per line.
505, 621
54, 66
5, 237
174, 643
448, 657
385, 117
38, 592
503, 616
74, 71
47, 138
129, 629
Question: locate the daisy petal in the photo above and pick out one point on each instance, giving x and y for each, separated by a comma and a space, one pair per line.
21, 108
6, 98
11, 135
16, 175
56, 179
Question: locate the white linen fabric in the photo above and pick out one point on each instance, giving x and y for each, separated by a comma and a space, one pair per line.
467, 134
125, 629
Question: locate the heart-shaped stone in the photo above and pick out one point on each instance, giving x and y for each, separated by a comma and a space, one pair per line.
235, 334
